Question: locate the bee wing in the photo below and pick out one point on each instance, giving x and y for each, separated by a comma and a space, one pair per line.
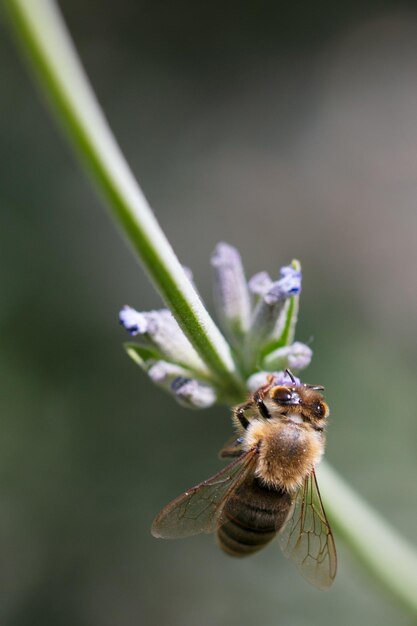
307, 538
199, 510
232, 448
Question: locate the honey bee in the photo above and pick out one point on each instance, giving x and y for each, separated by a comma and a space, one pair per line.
270, 488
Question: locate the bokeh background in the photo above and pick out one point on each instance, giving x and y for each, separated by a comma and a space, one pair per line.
288, 130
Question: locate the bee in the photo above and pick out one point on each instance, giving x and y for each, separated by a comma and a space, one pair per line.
270, 488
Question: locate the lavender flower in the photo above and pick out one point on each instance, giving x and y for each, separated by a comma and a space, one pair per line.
193, 394
261, 378
163, 373
133, 321
258, 286
258, 318
231, 291
269, 315
296, 357
160, 331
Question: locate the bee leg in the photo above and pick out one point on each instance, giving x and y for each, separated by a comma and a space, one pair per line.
240, 414
261, 405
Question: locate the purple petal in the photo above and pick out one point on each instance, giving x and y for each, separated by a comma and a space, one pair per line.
289, 285
133, 321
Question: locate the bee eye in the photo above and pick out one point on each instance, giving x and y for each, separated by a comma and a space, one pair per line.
320, 409
282, 395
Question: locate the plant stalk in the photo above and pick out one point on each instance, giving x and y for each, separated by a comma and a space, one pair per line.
50, 50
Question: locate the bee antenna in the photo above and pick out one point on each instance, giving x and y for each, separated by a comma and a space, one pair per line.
290, 374
314, 387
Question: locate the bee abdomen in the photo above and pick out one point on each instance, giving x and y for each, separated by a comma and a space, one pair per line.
253, 516
239, 541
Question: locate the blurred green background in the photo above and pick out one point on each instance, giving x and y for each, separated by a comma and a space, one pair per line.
288, 130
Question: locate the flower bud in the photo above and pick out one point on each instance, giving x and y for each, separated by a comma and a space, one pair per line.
160, 330
230, 291
269, 314
163, 373
295, 357
133, 321
193, 394
262, 378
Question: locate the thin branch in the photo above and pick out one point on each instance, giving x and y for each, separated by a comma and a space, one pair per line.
48, 46
384, 553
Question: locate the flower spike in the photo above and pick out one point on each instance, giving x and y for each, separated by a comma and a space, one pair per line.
258, 318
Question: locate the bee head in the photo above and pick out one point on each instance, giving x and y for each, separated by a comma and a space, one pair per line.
306, 401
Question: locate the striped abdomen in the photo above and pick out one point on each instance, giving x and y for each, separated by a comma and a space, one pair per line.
253, 515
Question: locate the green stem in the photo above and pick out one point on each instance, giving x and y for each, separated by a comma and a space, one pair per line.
49, 48
384, 553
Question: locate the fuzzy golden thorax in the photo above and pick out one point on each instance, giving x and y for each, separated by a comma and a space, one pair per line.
285, 424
